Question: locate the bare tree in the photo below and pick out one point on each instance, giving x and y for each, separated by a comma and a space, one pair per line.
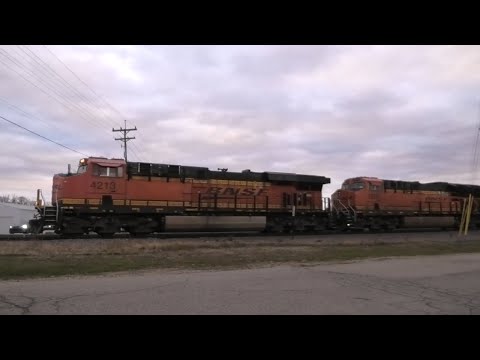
14, 199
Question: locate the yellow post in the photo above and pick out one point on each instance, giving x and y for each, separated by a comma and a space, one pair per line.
462, 222
469, 212
39, 202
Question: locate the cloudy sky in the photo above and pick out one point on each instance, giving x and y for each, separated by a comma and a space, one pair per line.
395, 112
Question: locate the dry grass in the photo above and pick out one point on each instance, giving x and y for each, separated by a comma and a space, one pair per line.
126, 246
22, 259
107, 247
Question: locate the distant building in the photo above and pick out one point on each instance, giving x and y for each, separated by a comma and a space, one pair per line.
14, 214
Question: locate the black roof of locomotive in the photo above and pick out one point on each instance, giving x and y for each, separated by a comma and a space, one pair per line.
203, 173
454, 189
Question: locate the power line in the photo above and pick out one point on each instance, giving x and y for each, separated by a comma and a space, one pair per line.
71, 71
73, 107
50, 86
26, 114
54, 86
9, 57
65, 85
135, 153
43, 137
63, 82
98, 96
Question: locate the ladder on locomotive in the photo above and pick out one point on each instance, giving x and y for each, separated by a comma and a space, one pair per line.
346, 210
48, 214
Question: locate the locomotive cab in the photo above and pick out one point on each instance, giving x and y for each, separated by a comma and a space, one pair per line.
361, 193
77, 197
357, 195
97, 181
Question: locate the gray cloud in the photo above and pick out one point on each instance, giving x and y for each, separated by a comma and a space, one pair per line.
405, 112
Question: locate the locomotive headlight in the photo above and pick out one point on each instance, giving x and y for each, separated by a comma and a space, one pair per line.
24, 226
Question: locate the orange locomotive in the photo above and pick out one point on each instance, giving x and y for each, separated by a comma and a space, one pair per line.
372, 203
110, 195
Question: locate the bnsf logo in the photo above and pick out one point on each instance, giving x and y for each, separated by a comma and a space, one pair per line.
235, 191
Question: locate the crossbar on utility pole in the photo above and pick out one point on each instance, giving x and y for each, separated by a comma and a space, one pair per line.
125, 138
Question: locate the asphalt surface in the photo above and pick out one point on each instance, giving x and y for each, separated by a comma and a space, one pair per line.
446, 284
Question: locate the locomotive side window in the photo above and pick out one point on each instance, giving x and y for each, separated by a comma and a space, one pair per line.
373, 187
108, 171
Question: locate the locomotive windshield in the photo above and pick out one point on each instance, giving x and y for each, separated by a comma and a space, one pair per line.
357, 186
81, 169
353, 187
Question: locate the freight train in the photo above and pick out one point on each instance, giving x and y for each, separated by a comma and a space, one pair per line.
106, 196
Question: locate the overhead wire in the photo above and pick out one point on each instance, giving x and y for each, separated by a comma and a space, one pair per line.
96, 95
65, 104
68, 103
54, 82
43, 137
26, 114
49, 86
69, 89
86, 85
62, 81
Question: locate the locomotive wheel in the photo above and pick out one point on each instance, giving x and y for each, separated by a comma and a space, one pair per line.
35, 226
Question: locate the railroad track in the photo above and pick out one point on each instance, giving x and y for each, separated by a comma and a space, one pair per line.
203, 235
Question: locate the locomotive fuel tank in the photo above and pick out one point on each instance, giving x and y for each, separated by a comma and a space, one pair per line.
214, 223
429, 221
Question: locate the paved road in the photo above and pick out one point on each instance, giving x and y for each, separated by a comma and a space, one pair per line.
421, 285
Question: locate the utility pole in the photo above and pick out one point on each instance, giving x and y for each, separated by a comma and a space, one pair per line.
125, 138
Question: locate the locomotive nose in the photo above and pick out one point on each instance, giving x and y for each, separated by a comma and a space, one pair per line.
339, 194
342, 195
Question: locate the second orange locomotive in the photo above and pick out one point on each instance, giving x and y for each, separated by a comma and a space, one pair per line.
373, 203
